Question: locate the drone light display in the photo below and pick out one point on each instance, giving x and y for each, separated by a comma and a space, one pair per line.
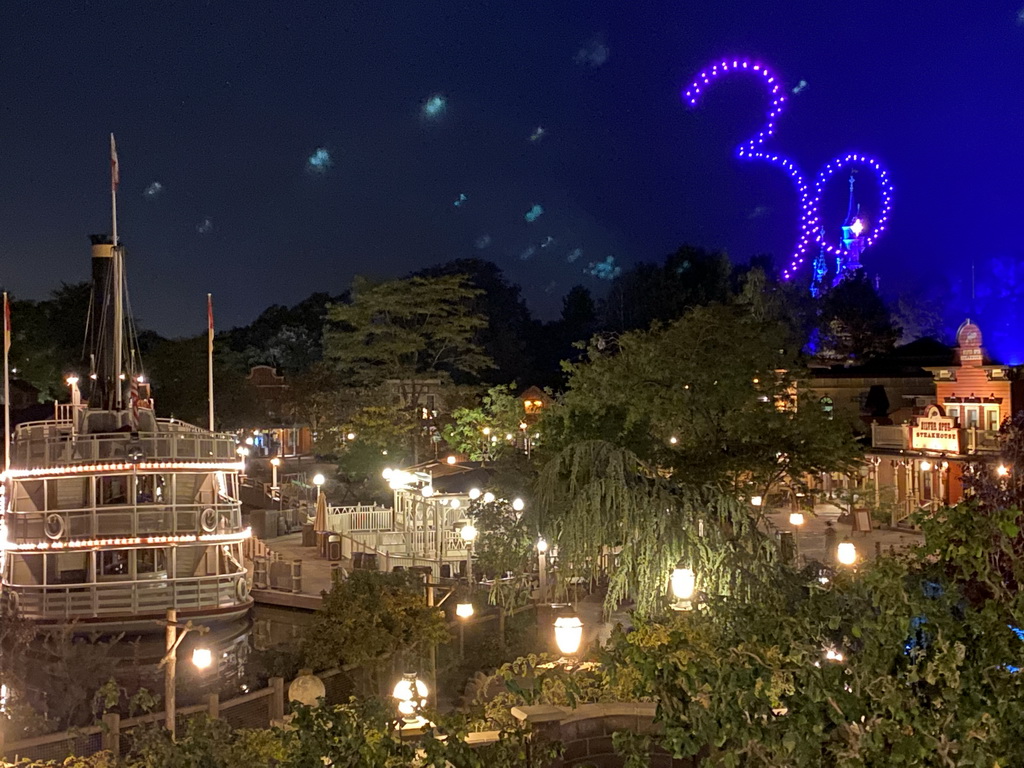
809, 231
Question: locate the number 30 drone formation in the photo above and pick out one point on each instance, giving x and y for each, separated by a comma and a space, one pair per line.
857, 234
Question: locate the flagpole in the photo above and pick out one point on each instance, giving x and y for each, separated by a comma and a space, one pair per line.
209, 351
114, 179
7, 384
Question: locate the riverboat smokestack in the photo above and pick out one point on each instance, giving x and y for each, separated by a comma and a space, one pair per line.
105, 369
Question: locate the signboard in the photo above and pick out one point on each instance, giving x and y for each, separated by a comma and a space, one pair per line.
935, 432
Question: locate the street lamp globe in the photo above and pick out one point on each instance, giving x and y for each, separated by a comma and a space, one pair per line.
568, 634
796, 518
468, 532
427, 491
518, 505
202, 658
542, 545
474, 493
318, 479
411, 694
455, 503
386, 474
1002, 470
275, 462
846, 553
756, 501
488, 497
464, 610
684, 583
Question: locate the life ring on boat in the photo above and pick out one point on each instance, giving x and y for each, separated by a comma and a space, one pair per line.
242, 589
208, 520
54, 526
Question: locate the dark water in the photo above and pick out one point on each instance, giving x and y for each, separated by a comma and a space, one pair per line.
55, 678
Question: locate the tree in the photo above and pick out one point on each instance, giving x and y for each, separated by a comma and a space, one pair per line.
482, 432
688, 278
370, 616
713, 398
404, 333
854, 323
510, 337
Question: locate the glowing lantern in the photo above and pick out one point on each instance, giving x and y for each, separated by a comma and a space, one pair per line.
568, 634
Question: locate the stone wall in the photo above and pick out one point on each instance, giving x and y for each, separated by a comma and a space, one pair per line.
586, 732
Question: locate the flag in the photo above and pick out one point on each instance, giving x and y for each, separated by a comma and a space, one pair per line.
7, 325
115, 172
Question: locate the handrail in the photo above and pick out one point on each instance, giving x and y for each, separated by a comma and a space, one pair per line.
20, 524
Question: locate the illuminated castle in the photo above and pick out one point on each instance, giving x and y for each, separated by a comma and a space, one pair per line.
848, 255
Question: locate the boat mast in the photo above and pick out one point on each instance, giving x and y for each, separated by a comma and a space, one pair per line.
118, 280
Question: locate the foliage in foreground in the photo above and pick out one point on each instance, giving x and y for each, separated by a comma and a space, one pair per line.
927, 675
354, 735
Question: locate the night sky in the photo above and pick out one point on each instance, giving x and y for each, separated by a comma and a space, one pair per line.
223, 105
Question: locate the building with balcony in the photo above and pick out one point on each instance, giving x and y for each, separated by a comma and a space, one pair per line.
919, 463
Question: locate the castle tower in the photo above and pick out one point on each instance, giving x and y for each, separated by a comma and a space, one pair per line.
854, 227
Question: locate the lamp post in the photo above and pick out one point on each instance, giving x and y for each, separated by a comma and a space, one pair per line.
243, 454
201, 658
464, 611
468, 534
684, 585
76, 393
542, 568
411, 694
318, 481
846, 553
568, 634
796, 519
274, 464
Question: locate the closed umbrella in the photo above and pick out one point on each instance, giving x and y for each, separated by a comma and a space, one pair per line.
320, 519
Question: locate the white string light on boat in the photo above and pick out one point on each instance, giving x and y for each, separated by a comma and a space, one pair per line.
130, 541
77, 469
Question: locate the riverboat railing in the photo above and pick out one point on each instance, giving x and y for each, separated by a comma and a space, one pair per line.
42, 444
128, 597
125, 520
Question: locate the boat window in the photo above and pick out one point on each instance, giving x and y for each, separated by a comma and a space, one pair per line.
26, 569
112, 489
67, 493
67, 568
150, 561
151, 489
113, 562
28, 495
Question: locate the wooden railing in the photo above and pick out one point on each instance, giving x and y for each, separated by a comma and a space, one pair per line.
41, 445
126, 520
261, 708
121, 598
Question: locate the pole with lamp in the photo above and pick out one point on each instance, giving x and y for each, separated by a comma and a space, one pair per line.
274, 464
542, 569
796, 519
464, 611
683, 583
468, 534
202, 658
568, 636
411, 694
243, 454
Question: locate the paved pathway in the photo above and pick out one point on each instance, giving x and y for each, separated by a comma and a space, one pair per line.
810, 536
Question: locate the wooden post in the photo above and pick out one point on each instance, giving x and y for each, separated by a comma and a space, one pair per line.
213, 706
170, 672
296, 575
276, 706
111, 739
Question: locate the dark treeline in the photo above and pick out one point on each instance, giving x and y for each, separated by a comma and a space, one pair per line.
851, 323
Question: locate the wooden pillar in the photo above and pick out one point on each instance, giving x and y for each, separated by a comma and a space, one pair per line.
213, 706
111, 738
276, 705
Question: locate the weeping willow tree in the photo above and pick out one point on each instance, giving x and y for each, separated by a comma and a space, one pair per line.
603, 497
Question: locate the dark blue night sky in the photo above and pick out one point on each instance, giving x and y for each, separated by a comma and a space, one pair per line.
223, 105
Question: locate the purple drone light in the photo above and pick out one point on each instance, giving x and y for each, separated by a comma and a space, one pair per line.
808, 233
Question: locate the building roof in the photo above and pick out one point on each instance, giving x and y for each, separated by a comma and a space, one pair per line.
907, 361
